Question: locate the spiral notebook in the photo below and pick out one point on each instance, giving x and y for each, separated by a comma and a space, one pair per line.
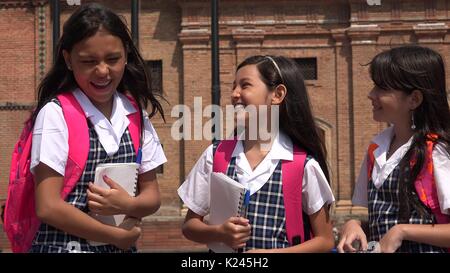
125, 174
227, 200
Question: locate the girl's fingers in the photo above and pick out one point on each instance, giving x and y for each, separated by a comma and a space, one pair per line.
245, 239
239, 221
111, 183
348, 245
364, 243
98, 190
340, 246
94, 197
94, 206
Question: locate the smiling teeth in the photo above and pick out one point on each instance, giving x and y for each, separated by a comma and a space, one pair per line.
102, 84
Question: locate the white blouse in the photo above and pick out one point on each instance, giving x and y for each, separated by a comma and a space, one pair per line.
383, 168
195, 190
50, 133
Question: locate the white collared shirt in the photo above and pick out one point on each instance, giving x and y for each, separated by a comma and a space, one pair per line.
195, 190
50, 130
383, 168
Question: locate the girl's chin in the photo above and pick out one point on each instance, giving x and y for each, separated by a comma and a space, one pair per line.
378, 118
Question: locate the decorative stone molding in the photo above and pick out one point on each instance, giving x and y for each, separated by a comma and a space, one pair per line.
339, 36
279, 18
42, 52
430, 32
248, 38
198, 37
363, 34
13, 106
22, 4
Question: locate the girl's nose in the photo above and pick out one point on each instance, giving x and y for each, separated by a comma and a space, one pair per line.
236, 92
102, 69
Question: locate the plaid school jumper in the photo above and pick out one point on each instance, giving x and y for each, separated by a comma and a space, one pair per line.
51, 240
265, 211
384, 214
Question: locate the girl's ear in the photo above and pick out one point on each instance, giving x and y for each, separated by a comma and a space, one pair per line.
66, 56
415, 99
279, 94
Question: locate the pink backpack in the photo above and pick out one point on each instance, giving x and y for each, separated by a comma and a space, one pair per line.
292, 176
21, 222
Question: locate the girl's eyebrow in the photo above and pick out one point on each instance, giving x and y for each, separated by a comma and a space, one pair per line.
244, 79
114, 54
87, 55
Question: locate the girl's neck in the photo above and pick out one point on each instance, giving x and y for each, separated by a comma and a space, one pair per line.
257, 145
255, 151
104, 107
403, 133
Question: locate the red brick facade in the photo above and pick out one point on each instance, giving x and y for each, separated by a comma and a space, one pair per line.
342, 34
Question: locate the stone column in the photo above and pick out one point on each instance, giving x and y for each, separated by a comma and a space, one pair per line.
363, 47
343, 172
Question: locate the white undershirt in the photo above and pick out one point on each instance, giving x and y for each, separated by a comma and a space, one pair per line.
50, 133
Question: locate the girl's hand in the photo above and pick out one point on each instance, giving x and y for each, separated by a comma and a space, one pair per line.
130, 222
127, 238
235, 232
260, 250
108, 201
392, 240
350, 233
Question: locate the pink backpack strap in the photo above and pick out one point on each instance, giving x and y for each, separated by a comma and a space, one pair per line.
78, 132
292, 178
135, 124
425, 184
222, 156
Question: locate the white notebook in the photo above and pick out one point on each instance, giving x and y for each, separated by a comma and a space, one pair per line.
125, 174
227, 197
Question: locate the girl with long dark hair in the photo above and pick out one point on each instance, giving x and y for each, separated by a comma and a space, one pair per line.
260, 165
404, 177
100, 71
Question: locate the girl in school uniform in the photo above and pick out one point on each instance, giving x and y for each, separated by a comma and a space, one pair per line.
404, 177
259, 81
98, 64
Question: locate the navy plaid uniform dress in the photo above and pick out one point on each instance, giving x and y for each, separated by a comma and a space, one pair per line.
48, 239
384, 214
265, 212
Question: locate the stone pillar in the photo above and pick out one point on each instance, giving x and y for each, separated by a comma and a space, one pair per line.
196, 83
343, 173
363, 47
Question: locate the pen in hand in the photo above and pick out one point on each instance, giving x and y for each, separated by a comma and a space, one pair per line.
139, 156
244, 208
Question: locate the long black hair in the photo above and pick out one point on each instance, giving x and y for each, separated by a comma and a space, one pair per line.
296, 119
409, 68
82, 24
